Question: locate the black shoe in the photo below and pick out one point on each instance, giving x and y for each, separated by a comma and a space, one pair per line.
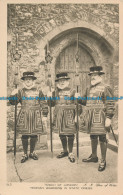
34, 156
24, 158
102, 166
62, 154
90, 159
71, 157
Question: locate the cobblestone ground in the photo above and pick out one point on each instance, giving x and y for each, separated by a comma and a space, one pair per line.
48, 169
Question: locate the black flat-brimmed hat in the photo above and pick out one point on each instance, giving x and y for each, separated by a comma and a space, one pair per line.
28, 75
62, 75
96, 70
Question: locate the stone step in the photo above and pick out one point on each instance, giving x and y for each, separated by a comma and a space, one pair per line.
84, 140
113, 146
111, 135
112, 143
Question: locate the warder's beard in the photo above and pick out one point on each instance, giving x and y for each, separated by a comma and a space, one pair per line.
96, 80
30, 87
60, 86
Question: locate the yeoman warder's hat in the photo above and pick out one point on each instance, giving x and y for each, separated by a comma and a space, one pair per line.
28, 75
62, 75
96, 69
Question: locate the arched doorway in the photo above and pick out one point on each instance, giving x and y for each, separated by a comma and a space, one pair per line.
93, 50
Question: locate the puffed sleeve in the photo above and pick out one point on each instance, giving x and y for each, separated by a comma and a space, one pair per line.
15, 99
79, 107
108, 102
52, 102
83, 99
43, 104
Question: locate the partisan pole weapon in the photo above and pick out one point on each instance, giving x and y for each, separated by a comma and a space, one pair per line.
48, 59
15, 117
16, 57
77, 85
51, 132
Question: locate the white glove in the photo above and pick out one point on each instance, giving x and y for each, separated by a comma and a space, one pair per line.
107, 122
14, 92
49, 94
76, 95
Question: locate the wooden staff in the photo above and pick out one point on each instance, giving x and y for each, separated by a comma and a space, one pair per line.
16, 57
51, 132
77, 86
77, 123
16, 84
49, 59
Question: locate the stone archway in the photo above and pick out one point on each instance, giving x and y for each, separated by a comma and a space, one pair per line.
95, 44
72, 25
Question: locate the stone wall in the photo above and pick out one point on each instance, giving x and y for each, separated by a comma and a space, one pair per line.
37, 23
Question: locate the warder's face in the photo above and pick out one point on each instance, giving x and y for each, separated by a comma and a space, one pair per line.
63, 83
28, 82
95, 78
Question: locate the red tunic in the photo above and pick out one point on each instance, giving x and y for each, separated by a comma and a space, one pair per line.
30, 116
98, 110
64, 112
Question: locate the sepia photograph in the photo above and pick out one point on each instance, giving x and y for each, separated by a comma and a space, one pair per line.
61, 97
62, 92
